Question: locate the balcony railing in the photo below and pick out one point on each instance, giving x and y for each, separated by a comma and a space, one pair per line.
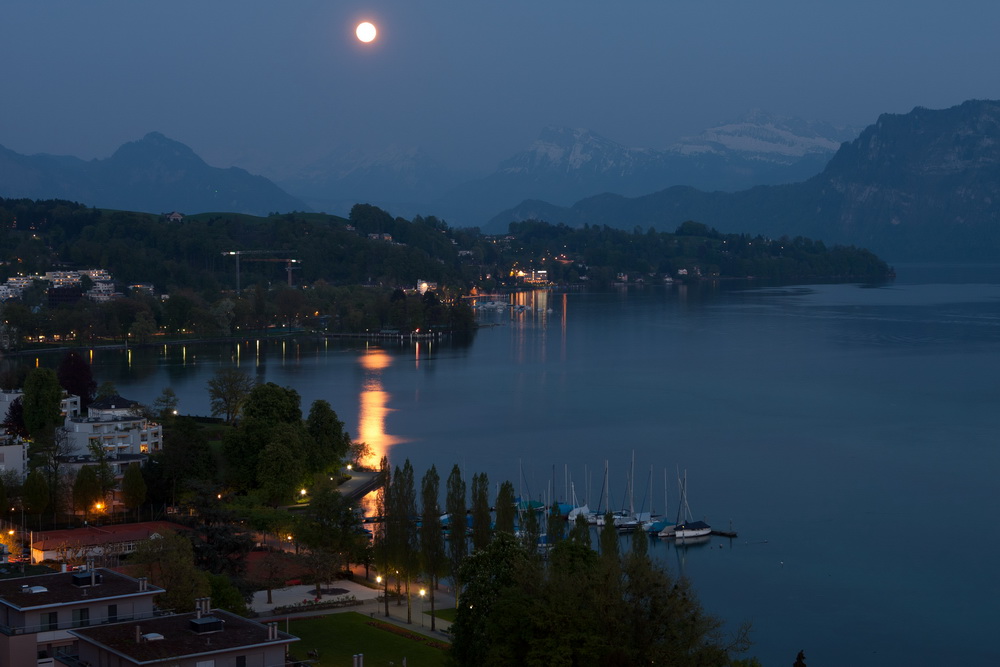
71, 624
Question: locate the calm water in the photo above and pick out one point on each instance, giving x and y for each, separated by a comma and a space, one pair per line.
848, 433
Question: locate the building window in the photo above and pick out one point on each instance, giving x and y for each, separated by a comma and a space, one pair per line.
241, 661
81, 618
112, 613
50, 620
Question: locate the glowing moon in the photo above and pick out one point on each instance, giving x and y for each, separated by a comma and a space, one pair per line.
365, 32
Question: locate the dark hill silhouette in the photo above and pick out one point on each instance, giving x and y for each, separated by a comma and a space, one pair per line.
918, 186
153, 175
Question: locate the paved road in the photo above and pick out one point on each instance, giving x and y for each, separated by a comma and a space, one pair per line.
360, 483
367, 596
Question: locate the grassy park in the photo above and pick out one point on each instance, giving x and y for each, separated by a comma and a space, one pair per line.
338, 637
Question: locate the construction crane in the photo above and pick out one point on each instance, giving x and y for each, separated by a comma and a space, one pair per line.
289, 264
237, 254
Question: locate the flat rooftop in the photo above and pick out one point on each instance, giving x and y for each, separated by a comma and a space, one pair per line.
58, 588
179, 640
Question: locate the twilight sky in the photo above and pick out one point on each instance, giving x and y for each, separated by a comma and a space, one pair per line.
273, 85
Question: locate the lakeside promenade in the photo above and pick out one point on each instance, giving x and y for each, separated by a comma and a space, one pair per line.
294, 601
370, 605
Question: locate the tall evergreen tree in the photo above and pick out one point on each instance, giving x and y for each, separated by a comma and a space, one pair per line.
382, 537
506, 508
36, 493
133, 488
580, 532
481, 532
555, 528
432, 551
458, 543
405, 545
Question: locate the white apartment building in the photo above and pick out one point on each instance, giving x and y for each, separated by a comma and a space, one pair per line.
114, 423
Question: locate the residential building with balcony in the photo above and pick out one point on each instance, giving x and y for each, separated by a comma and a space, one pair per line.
38, 612
197, 639
114, 424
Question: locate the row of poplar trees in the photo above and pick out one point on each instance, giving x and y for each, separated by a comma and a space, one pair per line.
516, 604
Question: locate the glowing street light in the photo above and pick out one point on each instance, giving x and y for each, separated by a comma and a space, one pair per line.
423, 592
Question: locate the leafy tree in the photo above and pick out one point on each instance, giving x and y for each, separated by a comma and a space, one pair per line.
36, 493
106, 389
165, 405
228, 390
481, 530
271, 568
76, 377
226, 595
168, 562
48, 456
86, 489
487, 574
458, 543
186, 453
133, 488
42, 398
273, 404
521, 610
222, 548
432, 552
280, 469
143, 328
105, 474
330, 530
13, 422
329, 442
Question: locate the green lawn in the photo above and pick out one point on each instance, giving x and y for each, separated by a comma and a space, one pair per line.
447, 614
339, 636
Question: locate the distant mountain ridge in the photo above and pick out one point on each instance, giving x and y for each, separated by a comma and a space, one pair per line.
921, 186
154, 175
761, 136
566, 164
400, 179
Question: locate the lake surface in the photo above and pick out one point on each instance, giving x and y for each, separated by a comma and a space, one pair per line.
847, 432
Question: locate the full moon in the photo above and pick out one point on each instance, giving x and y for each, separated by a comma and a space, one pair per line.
365, 32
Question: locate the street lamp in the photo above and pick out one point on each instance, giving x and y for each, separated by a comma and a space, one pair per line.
385, 593
423, 592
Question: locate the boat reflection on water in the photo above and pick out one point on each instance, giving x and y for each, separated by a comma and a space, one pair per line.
697, 541
373, 407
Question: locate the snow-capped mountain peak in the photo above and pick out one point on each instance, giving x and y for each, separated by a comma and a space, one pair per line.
767, 137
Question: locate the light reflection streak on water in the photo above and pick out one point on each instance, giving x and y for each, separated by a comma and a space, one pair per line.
373, 407
562, 323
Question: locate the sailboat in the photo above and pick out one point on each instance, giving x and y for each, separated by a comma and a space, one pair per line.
577, 509
664, 527
686, 527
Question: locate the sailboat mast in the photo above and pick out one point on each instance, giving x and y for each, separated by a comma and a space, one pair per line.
631, 488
